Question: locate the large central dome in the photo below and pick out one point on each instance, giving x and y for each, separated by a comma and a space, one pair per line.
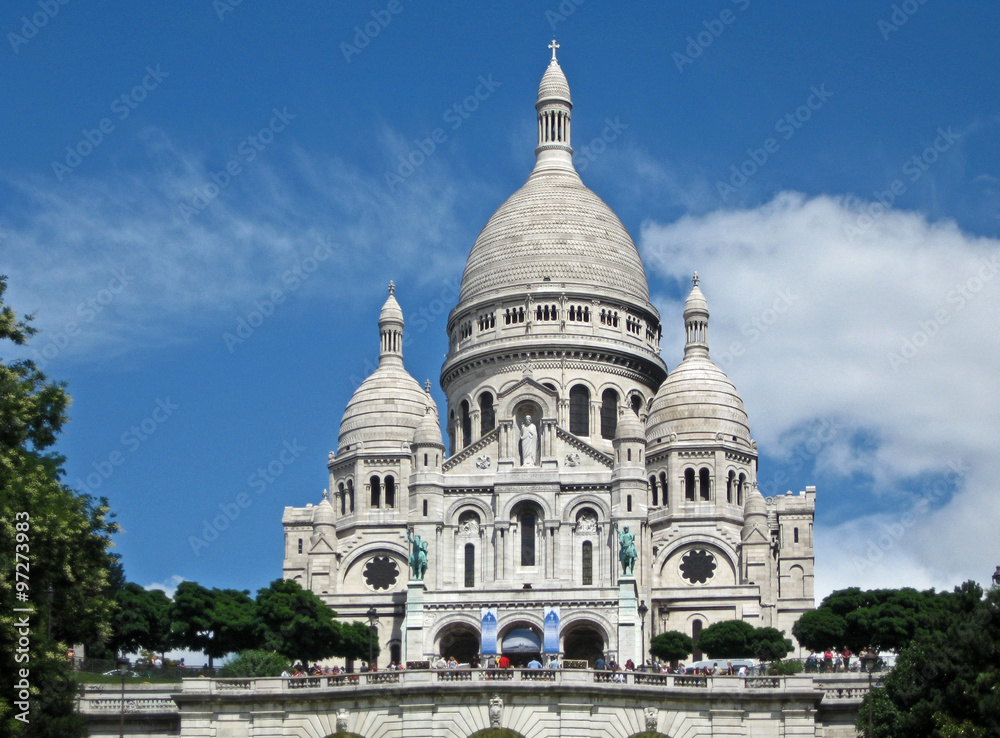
554, 229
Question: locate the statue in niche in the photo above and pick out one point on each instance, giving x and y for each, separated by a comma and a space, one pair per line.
626, 550
418, 555
529, 442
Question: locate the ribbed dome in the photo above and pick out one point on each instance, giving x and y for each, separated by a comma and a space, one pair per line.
391, 312
553, 84
629, 427
755, 504
323, 513
428, 431
555, 228
697, 402
384, 411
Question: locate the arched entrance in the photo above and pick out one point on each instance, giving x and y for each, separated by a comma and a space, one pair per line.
521, 643
584, 642
460, 641
496, 733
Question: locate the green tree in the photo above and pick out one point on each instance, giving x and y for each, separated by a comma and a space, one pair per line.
296, 623
769, 644
946, 682
142, 620
729, 639
253, 663
215, 621
820, 629
671, 646
58, 539
357, 639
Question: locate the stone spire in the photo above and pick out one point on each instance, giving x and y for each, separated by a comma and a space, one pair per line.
390, 327
553, 107
696, 321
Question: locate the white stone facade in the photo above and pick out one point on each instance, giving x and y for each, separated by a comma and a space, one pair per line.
554, 324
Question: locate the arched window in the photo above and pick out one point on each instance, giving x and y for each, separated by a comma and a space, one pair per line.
628, 503
703, 484
300, 545
652, 488
527, 527
795, 534
695, 635
663, 489
451, 433
689, 485
343, 498
425, 508
466, 424
579, 411
609, 413
390, 492
730, 482
470, 565
350, 494
740, 486
425, 459
588, 562
487, 418
636, 403
376, 486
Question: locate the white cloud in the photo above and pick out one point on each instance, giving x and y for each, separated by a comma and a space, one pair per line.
65, 242
886, 327
169, 585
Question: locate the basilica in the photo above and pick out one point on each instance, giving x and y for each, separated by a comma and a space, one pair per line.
587, 497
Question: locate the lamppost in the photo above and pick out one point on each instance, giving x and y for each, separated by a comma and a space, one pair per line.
373, 626
871, 698
122, 671
642, 631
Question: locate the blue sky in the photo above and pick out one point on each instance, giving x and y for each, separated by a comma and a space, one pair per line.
202, 204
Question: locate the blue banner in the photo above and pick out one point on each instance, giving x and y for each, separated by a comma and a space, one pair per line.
488, 630
551, 641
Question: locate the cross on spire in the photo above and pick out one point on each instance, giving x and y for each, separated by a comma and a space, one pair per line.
554, 45
694, 279
392, 287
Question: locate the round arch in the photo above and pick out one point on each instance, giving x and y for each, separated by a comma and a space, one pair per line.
508, 508
458, 640
584, 639
586, 500
484, 510
353, 567
527, 394
496, 733
723, 547
344, 734
649, 734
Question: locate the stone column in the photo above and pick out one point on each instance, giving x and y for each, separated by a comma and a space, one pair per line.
413, 625
629, 646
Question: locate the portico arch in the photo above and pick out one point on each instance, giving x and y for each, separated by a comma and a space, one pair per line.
459, 641
584, 640
496, 733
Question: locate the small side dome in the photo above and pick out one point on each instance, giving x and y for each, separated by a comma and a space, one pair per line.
391, 312
554, 85
755, 505
629, 427
428, 432
323, 513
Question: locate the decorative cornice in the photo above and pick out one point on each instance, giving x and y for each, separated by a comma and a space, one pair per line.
471, 450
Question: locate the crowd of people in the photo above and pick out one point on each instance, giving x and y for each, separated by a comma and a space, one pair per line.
843, 660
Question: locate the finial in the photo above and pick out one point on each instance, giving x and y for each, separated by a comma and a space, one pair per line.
427, 386
554, 45
694, 279
326, 494
392, 287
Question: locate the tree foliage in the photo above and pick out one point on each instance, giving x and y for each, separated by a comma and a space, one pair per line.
882, 619
946, 682
357, 639
737, 639
254, 663
57, 538
671, 646
296, 623
142, 620
215, 621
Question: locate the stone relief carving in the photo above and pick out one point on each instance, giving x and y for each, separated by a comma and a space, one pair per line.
651, 714
496, 710
342, 716
483, 462
573, 459
470, 527
429, 619
586, 523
